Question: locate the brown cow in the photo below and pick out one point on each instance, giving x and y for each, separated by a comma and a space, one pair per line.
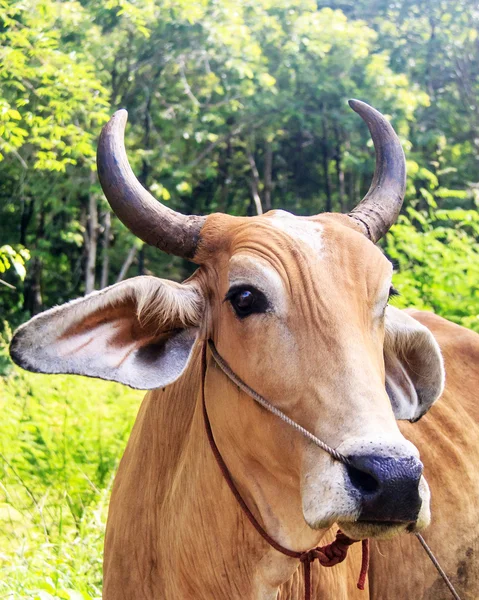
298, 308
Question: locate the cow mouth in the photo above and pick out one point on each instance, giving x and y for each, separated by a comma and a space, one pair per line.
376, 529
385, 523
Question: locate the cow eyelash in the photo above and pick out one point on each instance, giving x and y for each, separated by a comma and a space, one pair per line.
393, 292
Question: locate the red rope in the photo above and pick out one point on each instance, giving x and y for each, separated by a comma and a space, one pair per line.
328, 556
336, 550
364, 564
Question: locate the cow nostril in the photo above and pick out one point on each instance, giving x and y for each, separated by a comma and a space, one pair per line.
364, 482
388, 486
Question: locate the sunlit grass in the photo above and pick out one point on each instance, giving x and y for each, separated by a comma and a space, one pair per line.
61, 438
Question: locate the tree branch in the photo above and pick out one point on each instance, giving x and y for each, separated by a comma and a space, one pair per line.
254, 184
186, 85
126, 265
9, 285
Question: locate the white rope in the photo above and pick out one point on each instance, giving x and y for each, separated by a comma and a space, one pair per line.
223, 365
439, 569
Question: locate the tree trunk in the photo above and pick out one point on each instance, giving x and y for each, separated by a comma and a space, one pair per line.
254, 184
339, 171
325, 156
92, 238
358, 193
256, 198
130, 257
141, 261
32, 297
26, 215
352, 200
105, 265
268, 171
431, 43
224, 160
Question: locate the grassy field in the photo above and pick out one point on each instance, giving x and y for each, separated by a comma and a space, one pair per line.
61, 438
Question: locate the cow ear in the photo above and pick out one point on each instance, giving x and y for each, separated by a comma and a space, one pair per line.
414, 365
139, 332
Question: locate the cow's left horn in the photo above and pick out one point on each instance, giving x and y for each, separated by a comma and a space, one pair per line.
144, 216
380, 207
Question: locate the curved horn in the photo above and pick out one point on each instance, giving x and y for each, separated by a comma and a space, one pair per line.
144, 216
380, 207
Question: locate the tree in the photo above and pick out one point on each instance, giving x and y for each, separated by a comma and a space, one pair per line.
233, 107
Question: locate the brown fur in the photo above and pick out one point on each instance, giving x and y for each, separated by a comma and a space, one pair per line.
174, 529
448, 439
324, 349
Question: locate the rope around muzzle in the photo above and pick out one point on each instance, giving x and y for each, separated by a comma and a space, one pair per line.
223, 365
329, 555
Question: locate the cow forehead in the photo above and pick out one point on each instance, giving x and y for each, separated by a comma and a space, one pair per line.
297, 248
306, 232
284, 255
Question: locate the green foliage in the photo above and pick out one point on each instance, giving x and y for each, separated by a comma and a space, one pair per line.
437, 256
16, 259
228, 102
50, 97
60, 442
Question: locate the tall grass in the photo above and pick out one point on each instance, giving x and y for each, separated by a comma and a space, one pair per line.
61, 438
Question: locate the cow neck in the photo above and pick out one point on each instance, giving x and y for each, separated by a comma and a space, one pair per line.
329, 555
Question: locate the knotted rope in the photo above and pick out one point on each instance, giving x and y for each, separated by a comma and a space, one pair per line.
332, 555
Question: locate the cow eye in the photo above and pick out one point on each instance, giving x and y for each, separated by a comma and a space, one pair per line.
247, 301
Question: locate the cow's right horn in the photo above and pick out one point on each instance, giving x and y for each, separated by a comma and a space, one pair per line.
144, 216
380, 207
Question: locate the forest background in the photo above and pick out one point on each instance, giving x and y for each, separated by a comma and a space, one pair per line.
234, 106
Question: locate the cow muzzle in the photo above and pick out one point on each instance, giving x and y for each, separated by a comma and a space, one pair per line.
387, 488
380, 493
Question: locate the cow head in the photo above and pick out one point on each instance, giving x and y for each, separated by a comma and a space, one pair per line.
298, 307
